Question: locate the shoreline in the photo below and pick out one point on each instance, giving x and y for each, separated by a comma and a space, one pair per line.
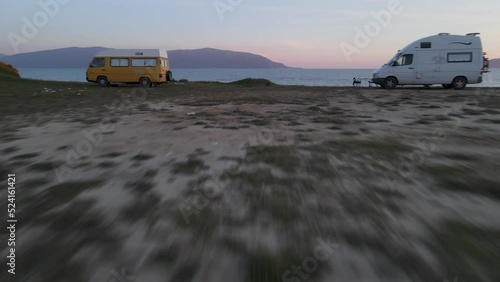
291, 77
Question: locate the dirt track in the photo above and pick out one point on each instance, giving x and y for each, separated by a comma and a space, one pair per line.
212, 182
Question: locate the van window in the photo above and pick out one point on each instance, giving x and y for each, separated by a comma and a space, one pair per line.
144, 62
405, 60
121, 62
97, 62
460, 57
425, 45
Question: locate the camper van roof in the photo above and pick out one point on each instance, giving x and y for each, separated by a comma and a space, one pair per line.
445, 41
132, 53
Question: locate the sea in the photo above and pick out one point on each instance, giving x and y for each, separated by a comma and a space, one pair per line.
289, 76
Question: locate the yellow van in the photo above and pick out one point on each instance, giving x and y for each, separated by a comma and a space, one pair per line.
148, 67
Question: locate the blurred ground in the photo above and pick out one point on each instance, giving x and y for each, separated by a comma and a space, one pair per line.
251, 182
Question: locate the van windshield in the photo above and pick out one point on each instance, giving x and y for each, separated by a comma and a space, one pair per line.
393, 59
97, 62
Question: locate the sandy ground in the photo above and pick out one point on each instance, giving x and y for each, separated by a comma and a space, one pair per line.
211, 182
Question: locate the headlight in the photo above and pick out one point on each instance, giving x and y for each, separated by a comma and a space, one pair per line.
375, 75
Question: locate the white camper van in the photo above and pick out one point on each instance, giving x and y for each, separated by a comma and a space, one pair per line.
450, 60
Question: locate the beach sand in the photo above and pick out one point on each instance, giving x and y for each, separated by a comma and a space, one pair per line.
252, 182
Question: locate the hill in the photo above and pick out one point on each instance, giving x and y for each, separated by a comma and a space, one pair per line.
214, 58
75, 57
58, 58
495, 63
8, 70
2, 55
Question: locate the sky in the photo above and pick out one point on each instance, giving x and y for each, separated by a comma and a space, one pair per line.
298, 33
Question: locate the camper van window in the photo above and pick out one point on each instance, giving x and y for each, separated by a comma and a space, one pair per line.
425, 45
391, 61
98, 62
460, 57
144, 62
405, 60
122, 62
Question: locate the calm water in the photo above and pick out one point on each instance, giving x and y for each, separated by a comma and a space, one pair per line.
310, 77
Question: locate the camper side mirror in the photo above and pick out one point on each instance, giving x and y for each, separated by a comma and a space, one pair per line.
90, 65
395, 64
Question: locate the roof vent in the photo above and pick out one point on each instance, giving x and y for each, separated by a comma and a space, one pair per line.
444, 33
473, 34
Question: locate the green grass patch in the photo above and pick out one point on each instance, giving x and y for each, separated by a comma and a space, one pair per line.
25, 156
267, 267
487, 120
8, 71
445, 170
469, 252
386, 149
43, 166
463, 179
260, 122
112, 155
471, 184
261, 177
328, 119
459, 156
140, 186
107, 164
283, 157
319, 165
253, 82
141, 208
54, 196
191, 166
185, 272
10, 149
165, 255
472, 112
491, 112
142, 157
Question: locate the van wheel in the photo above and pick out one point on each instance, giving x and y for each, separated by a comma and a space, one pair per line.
169, 76
390, 83
102, 81
459, 83
447, 86
145, 82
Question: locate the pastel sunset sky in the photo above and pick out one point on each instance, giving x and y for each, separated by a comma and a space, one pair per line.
298, 33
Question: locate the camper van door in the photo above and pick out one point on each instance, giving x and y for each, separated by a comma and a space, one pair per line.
404, 68
428, 69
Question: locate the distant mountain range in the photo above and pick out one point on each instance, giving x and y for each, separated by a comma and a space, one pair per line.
2, 55
214, 58
75, 57
495, 63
